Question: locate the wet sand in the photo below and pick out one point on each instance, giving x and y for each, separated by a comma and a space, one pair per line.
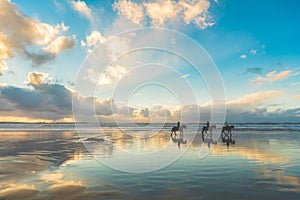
56, 165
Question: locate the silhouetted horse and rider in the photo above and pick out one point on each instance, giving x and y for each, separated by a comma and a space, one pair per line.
177, 128
226, 136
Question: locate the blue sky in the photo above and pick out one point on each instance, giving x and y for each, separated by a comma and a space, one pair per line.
254, 44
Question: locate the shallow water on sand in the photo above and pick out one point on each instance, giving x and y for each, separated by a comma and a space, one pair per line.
53, 163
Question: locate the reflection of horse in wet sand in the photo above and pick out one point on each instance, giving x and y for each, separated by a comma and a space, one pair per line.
175, 129
179, 140
205, 129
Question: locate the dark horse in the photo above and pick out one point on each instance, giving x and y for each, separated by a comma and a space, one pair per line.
205, 129
226, 137
176, 128
228, 129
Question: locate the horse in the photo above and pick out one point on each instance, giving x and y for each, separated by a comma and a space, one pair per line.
175, 129
205, 129
228, 129
227, 137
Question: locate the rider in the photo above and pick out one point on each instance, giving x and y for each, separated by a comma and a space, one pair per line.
226, 124
207, 124
178, 125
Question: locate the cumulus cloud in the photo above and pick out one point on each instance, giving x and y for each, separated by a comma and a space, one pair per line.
255, 98
162, 11
92, 40
49, 101
132, 11
82, 8
196, 12
19, 33
271, 77
112, 73
60, 44
36, 78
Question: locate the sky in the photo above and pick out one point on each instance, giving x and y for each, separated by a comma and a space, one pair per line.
62, 61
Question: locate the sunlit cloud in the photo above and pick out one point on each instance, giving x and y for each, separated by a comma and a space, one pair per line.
92, 40
196, 12
25, 33
36, 78
132, 11
60, 44
271, 77
112, 73
256, 98
160, 12
82, 8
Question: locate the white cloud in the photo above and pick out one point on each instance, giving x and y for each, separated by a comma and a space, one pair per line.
19, 32
92, 40
47, 101
132, 11
255, 98
112, 73
243, 56
161, 10
271, 77
60, 44
36, 78
82, 8
196, 12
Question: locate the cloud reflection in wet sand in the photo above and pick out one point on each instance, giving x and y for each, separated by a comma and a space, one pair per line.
49, 165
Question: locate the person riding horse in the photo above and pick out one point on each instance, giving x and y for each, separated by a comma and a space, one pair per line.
226, 137
207, 128
178, 128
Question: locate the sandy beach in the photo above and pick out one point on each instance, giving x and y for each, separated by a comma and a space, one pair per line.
43, 164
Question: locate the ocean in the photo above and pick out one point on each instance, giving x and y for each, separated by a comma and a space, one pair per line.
129, 161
